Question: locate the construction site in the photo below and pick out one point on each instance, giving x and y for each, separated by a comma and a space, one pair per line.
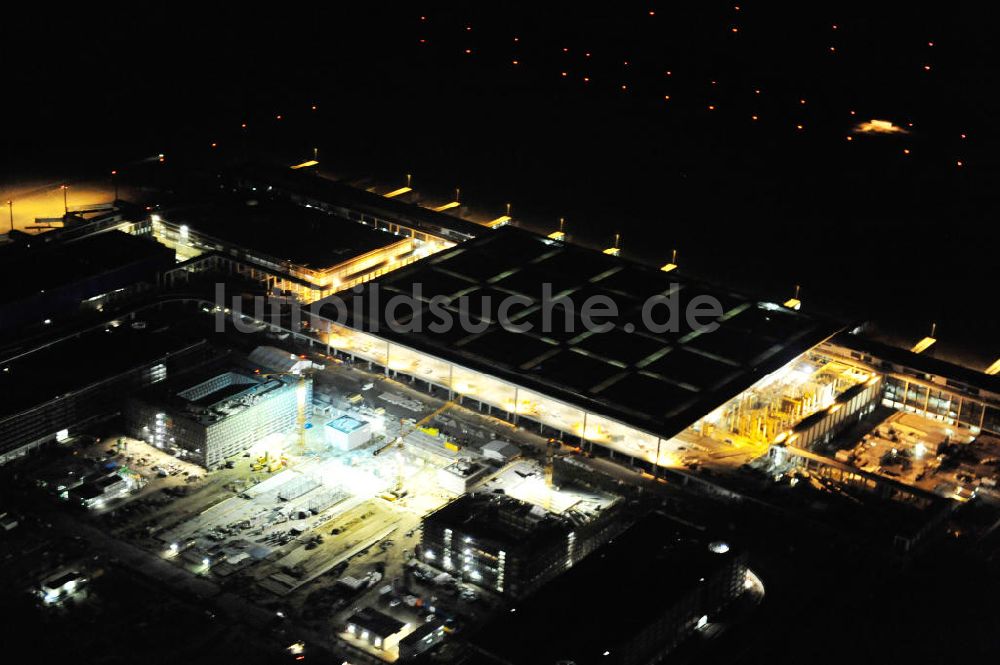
781, 400
744, 427
317, 478
385, 488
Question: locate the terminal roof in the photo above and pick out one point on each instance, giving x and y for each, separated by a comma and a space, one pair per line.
659, 382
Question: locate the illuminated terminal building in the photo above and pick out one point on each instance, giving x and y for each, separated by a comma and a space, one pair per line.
292, 249
218, 413
381, 212
632, 396
284, 239
927, 386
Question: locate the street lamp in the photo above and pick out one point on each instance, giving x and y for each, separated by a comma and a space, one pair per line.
114, 182
65, 189
10, 208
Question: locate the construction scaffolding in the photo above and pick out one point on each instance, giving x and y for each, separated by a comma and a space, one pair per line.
297, 487
781, 400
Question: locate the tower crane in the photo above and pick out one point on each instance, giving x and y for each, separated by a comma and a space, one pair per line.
550, 459
406, 431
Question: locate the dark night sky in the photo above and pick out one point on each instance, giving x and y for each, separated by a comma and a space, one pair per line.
906, 238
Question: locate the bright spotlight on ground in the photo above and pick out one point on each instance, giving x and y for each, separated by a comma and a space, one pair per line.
879, 127
719, 547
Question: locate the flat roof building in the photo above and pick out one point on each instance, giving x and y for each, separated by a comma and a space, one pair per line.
219, 412
636, 599
56, 389
459, 477
627, 390
374, 627
59, 585
293, 249
928, 386
420, 640
506, 545
391, 214
49, 278
500, 451
96, 493
347, 433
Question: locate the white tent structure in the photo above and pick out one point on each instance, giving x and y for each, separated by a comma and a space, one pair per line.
278, 360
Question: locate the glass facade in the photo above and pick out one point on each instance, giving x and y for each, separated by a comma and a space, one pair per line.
419, 365
484, 388
549, 412
563, 418
362, 345
623, 439
27, 430
940, 404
